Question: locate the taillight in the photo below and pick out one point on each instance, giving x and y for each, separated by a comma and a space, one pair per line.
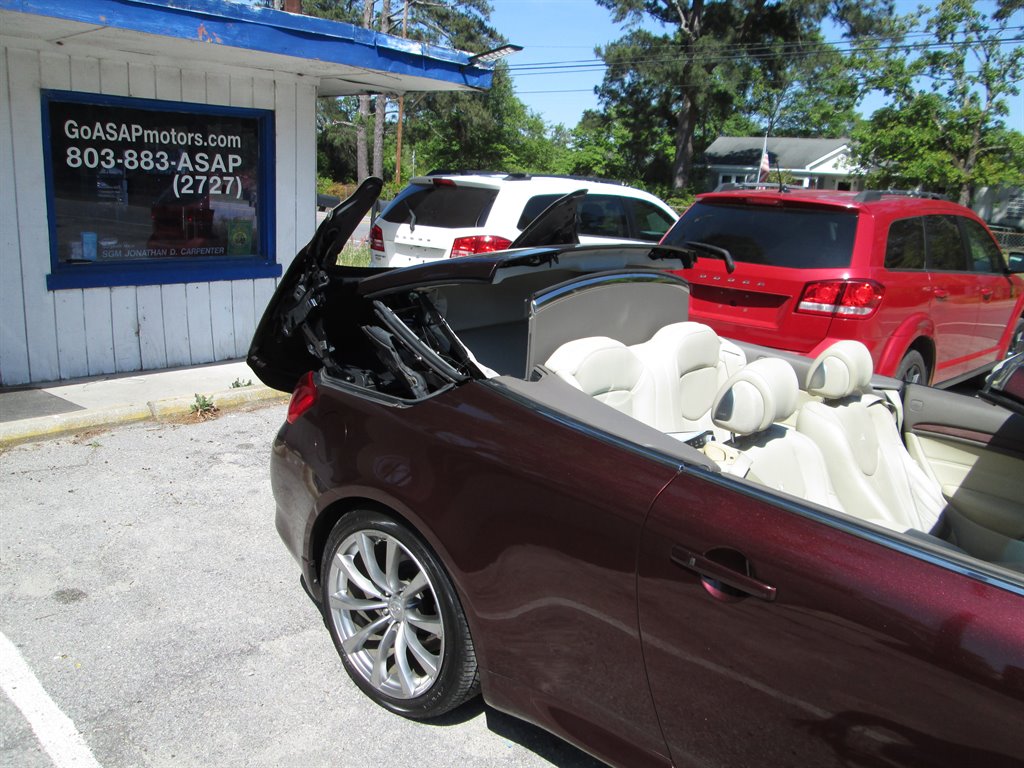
467, 246
303, 398
846, 298
376, 239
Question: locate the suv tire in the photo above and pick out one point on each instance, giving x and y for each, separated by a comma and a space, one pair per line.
913, 369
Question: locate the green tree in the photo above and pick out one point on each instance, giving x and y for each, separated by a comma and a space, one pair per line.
462, 24
944, 128
813, 94
690, 78
486, 131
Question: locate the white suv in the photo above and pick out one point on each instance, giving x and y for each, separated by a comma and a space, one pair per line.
453, 214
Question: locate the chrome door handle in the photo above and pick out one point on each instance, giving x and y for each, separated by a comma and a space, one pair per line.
707, 568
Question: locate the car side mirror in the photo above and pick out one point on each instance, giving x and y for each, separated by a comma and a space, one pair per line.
1005, 384
1015, 262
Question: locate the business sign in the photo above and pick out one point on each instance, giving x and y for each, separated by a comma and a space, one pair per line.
133, 180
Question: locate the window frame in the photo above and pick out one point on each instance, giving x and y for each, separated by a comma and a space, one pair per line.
995, 257
930, 265
919, 220
192, 269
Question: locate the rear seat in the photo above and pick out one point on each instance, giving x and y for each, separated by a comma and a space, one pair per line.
749, 406
668, 382
610, 372
689, 362
685, 381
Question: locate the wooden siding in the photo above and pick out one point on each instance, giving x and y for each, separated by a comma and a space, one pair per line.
50, 335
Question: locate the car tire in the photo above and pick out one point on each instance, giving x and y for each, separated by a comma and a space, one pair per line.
913, 369
395, 618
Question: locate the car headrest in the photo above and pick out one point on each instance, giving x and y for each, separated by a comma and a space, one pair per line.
695, 345
596, 364
758, 394
843, 369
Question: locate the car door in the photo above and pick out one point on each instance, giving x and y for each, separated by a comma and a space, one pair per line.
955, 298
997, 298
775, 635
975, 453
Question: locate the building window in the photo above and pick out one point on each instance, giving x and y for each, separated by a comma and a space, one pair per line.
144, 192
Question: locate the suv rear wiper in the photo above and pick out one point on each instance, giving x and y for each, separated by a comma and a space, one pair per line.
713, 250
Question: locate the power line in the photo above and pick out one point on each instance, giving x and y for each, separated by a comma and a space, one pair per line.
754, 52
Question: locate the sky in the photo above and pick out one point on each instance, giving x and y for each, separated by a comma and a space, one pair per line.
568, 31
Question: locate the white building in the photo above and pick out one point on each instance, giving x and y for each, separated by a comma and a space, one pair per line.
158, 171
813, 163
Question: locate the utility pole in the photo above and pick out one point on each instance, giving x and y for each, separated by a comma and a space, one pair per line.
362, 164
401, 107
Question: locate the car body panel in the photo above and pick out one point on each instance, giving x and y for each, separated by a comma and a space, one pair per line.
810, 678
999, 295
806, 678
407, 462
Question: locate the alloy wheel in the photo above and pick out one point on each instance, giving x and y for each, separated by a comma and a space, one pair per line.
384, 609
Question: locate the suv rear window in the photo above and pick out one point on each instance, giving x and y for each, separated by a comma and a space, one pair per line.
446, 206
799, 238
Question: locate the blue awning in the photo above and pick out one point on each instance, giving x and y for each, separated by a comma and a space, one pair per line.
347, 59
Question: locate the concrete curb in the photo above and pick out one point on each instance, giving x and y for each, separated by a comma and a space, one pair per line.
43, 427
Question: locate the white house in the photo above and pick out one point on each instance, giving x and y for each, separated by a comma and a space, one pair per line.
158, 169
814, 163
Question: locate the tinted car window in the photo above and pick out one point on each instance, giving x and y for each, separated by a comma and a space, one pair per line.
603, 216
983, 253
905, 247
945, 247
651, 222
445, 206
535, 207
801, 238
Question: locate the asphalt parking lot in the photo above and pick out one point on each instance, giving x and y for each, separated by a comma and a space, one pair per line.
145, 590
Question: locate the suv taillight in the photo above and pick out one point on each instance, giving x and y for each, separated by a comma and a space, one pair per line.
467, 246
376, 239
303, 397
846, 298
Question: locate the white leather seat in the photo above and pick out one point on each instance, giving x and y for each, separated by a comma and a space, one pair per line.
749, 405
608, 371
689, 363
874, 476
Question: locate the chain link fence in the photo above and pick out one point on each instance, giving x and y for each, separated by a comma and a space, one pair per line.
1008, 239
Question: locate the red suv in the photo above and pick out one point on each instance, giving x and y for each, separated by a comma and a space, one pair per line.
920, 281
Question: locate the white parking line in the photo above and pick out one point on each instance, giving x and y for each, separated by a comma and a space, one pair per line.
55, 731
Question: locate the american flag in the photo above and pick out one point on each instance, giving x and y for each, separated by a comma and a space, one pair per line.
766, 167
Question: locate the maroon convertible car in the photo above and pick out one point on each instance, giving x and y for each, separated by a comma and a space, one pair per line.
527, 475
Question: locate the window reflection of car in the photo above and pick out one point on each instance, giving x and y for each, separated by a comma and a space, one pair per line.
111, 185
181, 219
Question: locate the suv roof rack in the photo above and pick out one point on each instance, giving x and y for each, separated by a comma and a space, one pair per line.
772, 185
472, 172
520, 176
871, 195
